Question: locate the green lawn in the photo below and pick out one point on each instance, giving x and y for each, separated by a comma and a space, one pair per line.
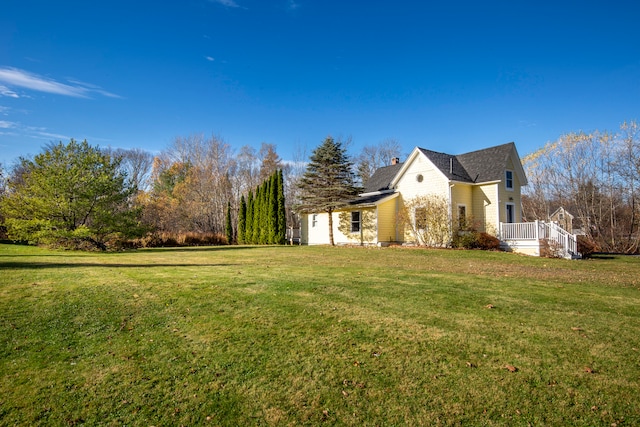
317, 336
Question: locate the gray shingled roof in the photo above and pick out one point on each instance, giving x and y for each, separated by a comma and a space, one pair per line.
381, 178
478, 166
488, 164
369, 200
448, 164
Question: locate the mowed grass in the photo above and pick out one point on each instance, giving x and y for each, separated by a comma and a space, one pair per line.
317, 336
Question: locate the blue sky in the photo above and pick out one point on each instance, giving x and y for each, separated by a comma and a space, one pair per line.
451, 76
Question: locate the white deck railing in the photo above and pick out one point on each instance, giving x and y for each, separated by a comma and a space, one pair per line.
539, 230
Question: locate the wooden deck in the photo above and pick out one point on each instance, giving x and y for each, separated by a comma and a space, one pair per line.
539, 238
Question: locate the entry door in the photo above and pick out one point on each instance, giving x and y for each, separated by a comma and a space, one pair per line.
511, 212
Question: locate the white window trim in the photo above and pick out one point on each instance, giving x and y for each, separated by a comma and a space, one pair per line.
359, 222
506, 181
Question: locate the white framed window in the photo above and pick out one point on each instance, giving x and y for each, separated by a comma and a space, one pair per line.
511, 212
314, 220
508, 180
355, 222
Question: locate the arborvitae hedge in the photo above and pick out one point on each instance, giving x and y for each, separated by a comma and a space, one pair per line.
264, 219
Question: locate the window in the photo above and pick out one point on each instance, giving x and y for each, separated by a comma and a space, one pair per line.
420, 218
511, 212
462, 216
355, 222
314, 220
509, 180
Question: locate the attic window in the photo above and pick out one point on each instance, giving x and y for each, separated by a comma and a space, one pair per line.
508, 182
419, 177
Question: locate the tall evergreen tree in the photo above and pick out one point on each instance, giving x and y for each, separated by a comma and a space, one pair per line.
228, 227
281, 232
257, 209
264, 213
272, 209
329, 182
248, 234
242, 220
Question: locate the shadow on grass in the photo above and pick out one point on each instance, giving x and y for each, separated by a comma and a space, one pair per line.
195, 249
43, 265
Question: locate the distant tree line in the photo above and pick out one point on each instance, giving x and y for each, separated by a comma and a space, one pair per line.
195, 191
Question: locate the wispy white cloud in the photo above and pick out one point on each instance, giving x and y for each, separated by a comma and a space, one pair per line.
5, 91
33, 132
210, 58
227, 3
14, 77
93, 88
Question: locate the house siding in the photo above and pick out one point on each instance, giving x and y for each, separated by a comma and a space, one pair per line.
510, 196
319, 234
462, 194
386, 220
433, 182
485, 210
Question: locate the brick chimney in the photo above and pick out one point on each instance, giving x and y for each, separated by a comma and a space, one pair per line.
395, 161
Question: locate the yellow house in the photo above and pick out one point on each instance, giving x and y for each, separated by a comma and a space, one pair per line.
482, 186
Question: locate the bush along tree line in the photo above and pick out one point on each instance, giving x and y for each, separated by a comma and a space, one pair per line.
262, 216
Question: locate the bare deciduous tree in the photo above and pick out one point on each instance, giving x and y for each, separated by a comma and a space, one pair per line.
594, 176
373, 157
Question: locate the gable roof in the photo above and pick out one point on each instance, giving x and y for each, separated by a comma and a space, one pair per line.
481, 166
449, 165
381, 178
489, 164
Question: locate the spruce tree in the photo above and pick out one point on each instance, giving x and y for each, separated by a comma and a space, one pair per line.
328, 183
